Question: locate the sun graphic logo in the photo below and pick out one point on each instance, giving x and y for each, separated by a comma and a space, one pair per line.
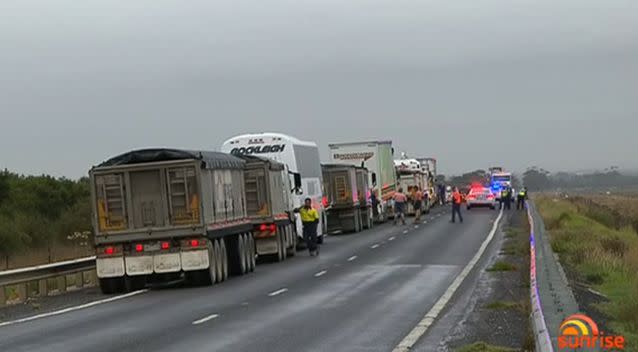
580, 331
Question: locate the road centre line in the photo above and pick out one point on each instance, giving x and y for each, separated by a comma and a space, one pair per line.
71, 309
205, 319
278, 292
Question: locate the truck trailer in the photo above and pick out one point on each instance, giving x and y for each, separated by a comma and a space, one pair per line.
160, 214
376, 156
269, 206
348, 198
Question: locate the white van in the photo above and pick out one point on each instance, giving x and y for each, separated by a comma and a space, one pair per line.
300, 156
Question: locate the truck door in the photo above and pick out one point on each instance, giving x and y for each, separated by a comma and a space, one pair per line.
146, 196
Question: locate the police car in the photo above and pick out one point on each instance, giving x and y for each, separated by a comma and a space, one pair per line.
480, 196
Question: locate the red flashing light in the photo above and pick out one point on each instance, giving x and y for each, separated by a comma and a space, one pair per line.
165, 245
263, 227
324, 201
109, 250
273, 227
490, 196
139, 247
194, 243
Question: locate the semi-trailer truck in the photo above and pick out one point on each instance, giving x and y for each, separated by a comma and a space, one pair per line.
409, 175
299, 156
162, 213
348, 198
376, 156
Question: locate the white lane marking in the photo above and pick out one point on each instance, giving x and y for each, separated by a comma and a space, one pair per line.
205, 319
352, 258
420, 329
321, 273
278, 292
416, 226
405, 231
376, 245
71, 309
425, 221
391, 238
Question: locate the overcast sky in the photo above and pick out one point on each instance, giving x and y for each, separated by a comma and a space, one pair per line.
472, 83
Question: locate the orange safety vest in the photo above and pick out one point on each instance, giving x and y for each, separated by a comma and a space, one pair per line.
457, 197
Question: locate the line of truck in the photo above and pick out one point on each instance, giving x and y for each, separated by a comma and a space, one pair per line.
167, 214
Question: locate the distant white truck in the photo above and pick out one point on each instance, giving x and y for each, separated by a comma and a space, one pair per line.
299, 156
377, 157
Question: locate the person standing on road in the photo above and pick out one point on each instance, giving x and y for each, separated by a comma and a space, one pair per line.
417, 201
522, 196
399, 206
508, 198
374, 202
457, 199
309, 220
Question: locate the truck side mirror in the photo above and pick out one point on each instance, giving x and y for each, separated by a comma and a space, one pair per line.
374, 179
297, 177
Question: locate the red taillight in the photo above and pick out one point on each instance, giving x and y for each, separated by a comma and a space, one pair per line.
194, 243
273, 227
324, 201
165, 245
263, 227
139, 247
109, 250
491, 196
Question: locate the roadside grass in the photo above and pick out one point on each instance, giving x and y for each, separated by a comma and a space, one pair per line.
484, 347
501, 266
504, 305
604, 254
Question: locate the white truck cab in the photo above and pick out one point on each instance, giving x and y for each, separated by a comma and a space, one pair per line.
301, 157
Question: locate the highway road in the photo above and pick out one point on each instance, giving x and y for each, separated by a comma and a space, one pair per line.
365, 292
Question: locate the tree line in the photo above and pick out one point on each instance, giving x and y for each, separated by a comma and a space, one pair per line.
37, 210
537, 178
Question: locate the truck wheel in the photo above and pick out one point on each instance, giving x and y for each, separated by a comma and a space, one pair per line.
134, 283
252, 260
281, 245
219, 275
242, 250
292, 250
224, 255
111, 285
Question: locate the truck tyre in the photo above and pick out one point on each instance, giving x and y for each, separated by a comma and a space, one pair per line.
224, 255
242, 250
251, 253
110, 285
292, 250
134, 283
320, 239
281, 245
219, 275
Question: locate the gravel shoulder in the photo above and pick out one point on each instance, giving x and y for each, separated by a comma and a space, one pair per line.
492, 313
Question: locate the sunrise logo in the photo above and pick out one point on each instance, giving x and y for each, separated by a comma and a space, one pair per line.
580, 331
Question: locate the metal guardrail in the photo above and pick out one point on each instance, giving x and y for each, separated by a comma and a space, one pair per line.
542, 338
552, 298
19, 285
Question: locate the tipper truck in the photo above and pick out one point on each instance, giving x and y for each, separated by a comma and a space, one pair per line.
376, 156
270, 206
162, 213
348, 198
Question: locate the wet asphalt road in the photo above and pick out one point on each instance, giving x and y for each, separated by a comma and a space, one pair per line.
365, 292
